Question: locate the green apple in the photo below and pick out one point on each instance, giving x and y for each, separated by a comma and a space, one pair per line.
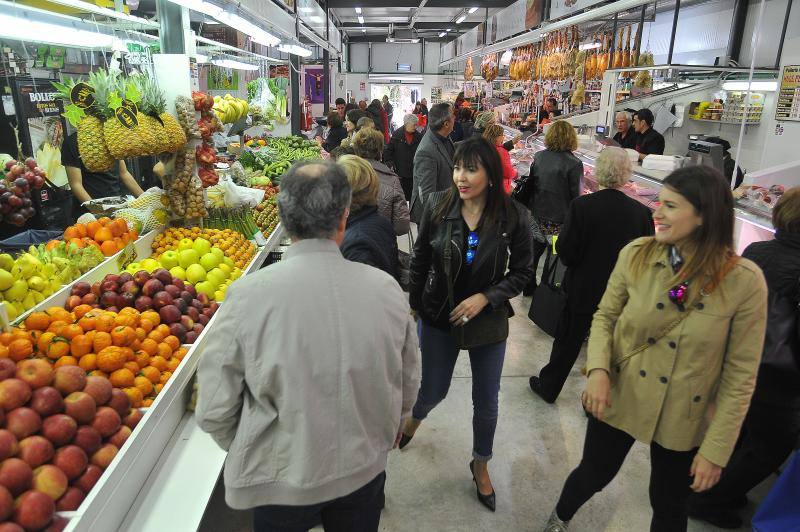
229, 262
18, 291
209, 261
219, 295
169, 259
225, 269
218, 252
187, 257
134, 267
206, 288
185, 243
219, 273
150, 265
6, 261
236, 273
214, 278
195, 273
178, 272
202, 246
6, 280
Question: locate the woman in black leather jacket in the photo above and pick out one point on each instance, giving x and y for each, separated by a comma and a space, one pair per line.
487, 239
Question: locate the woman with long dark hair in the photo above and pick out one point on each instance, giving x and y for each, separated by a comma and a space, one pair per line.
472, 255
676, 341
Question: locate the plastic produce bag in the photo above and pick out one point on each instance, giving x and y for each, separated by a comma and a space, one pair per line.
229, 194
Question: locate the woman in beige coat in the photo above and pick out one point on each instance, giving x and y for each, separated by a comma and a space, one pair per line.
673, 353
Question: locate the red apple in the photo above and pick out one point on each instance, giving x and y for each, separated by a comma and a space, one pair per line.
96, 289
186, 296
47, 401
203, 319
89, 299
203, 299
162, 299
112, 277
16, 475
8, 526
169, 314
131, 287
181, 304
119, 438
88, 439
120, 402
108, 299
152, 287
34, 510
179, 283
9, 445
72, 302
124, 277
7, 368
133, 418
80, 406
80, 289
72, 460
58, 524
179, 330
141, 277
193, 313
14, 393
36, 372
59, 429
50, 480
162, 275
106, 421
23, 422
109, 286
36, 450
103, 457
69, 379
89, 478
71, 500
99, 388
112, 309
191, 289
191, 337
173, 291
6, 503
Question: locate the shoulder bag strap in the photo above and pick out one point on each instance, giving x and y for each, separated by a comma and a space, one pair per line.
448, 256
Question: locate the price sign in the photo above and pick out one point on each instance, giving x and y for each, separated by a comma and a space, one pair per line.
127, 255
82, 95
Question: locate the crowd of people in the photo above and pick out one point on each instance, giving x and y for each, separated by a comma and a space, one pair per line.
323, 363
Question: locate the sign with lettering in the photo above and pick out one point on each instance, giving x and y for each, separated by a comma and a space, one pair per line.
788, 106
82, 95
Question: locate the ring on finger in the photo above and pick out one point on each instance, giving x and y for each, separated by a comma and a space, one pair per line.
465, 318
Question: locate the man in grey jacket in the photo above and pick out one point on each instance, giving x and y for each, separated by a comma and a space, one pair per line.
313, 365
433, 162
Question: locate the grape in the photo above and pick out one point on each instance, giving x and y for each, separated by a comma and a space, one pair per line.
15, 201
4, 197
26, 202
30, 162
38, 182
10, 164
16, 219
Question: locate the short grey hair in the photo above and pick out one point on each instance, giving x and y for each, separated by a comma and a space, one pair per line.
612, 168
439, 114
624, 114
484, 120
410, 119
313, 198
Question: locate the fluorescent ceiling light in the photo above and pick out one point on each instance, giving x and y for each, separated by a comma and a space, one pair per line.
363, 30
215, 45
414, 41
461, 19
294, 49
230, 63
26, 29
442, 34
360, 19
390, 77
86, 7
589, 46
448, 30
472, 10
358, 10
768, 86
233, 20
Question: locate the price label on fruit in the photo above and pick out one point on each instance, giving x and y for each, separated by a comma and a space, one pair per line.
82, 95
127, 117
259, 238
127, 256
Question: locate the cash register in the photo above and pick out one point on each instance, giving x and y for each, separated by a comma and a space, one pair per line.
706, 153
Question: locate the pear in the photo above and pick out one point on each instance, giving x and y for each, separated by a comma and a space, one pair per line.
37, 283
18, 291
6, 279
29, 302
37, 296
11, 310
6, 261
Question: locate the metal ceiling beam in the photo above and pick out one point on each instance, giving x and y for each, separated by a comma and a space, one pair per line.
427, 25
382, 38
413, 3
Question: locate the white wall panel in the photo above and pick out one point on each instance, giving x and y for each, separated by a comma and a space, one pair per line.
432, 57
385, 56
359, 57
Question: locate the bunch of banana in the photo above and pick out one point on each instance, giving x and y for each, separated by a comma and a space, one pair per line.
230, 109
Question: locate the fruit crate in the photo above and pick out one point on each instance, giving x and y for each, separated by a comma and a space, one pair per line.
136, 472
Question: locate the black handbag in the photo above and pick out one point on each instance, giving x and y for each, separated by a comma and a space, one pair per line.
781, 342
488, 327
549, 299
523, 190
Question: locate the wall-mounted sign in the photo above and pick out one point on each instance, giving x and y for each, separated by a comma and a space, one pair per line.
561, 8
404, 67
788, 106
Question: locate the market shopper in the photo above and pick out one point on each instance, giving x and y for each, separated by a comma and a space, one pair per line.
486, 119
87, 185
294, 455
675, 341
728, 163
423, 106
369, 237
392, 203
467, 121
472, 255
626, 135
772, 426
596, 228
495, 135
340, 107
557, 177
351, 125
336, 132
399, 153
648, 140
433, 162
389, 109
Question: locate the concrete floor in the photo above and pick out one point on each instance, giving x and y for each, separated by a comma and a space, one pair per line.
429, 487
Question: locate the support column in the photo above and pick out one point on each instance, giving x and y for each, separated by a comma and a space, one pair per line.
294, 81
170, 16
737, 30
326, 76
674, 29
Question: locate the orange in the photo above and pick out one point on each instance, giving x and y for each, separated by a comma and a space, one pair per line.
80, 345
111, 359
147, 403
92, 228
3, 351
80, 311
88, 362
147, 325
172, 342
104, 221
88, 322
135, 395
144, 385
134, 234
156, 336
71, 331
103, 234
66, 361
180, 353
58, 348
123, 336
130, 356
122, 378
57, 327
152, 374
157, 388
159, 362
105, 322
142, 359
132, 366
98, 373
150, 346
43, 342
141, 334
163, 329
70, 233
38, 321
109, 247
101, 341
81, 228
173, 363
165, 377
126, 318
20, 349
60, 314
164, 350
152, 316
6, 338
119, 227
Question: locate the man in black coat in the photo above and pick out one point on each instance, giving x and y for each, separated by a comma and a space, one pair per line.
596, 228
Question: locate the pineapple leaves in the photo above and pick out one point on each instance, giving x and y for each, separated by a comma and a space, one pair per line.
132, 92
74, 114
114, 101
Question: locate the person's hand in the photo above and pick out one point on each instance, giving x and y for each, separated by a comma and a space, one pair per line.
469, 308
597, 396
319, 140
399, 434
516, 138
706, 474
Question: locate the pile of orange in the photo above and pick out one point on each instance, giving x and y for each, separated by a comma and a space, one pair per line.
134, 350
110, 236
233, 243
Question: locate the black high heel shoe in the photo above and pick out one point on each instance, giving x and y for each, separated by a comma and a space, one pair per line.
487, 500
404, 440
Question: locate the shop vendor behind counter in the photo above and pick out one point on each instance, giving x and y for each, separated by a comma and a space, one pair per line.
648, 140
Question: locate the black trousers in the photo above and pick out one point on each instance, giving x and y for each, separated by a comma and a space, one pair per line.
768, 437
358, 512
571, 331
604, 451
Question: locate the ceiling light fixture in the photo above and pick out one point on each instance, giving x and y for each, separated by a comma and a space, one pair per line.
360, 19
98, 10
22, 28
472, 10
233, 20
230, 63
442, 34
461, 18
449, 30
363, 30
358, 10
294, 49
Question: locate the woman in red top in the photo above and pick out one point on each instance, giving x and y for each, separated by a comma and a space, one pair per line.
494, 134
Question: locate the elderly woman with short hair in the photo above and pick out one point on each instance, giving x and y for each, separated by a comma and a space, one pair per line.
596, 228
368, 144
484, 120
400, 151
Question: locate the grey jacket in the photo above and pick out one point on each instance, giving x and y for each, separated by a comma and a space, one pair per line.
391, 200
312, 363
433, 171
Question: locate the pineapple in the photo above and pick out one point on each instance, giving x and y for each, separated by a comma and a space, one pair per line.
91, 142
171, 135
122, 142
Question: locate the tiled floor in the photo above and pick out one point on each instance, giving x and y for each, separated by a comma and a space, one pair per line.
429, 487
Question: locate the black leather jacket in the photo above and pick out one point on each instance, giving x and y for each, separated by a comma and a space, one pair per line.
503, 264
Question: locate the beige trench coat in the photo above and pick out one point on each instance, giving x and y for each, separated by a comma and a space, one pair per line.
690, 388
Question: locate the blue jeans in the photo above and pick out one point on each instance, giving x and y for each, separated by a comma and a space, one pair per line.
439, 354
